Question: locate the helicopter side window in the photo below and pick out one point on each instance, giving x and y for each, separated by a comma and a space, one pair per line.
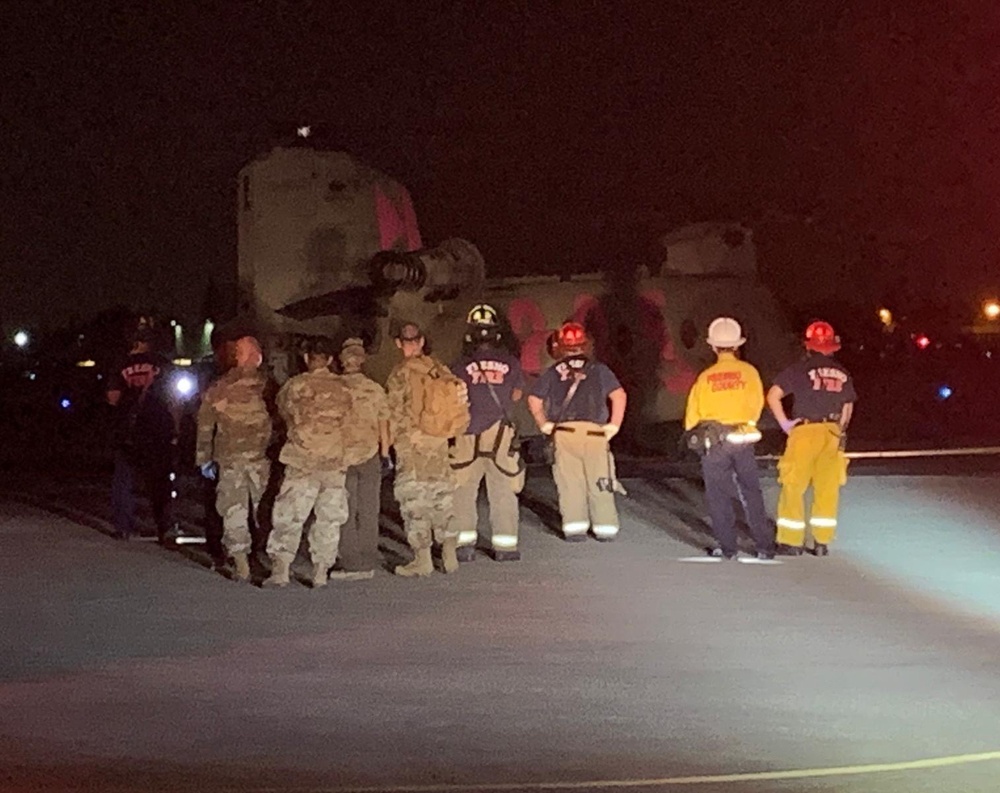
689, 333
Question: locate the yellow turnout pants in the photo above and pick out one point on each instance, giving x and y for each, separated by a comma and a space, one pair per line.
812, 457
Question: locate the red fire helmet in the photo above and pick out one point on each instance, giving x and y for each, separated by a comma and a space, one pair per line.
572, 335
821, 338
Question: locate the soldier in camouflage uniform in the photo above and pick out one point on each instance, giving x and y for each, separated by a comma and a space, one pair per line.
425, 483
315, 406
234, 429
366, 445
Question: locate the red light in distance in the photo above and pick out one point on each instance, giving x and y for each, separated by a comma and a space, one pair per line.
922, 341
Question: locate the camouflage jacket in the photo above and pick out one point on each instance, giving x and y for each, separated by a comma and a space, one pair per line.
234, 420
370, 407
315, 406
402, 420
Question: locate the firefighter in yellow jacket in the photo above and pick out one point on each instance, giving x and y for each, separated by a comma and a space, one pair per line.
823, 401
723, 408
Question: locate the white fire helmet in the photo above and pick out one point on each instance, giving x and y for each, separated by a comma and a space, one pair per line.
725, 333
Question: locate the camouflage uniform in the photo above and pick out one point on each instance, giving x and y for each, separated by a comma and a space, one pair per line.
425, 481
359, 538
315, 407
234, 429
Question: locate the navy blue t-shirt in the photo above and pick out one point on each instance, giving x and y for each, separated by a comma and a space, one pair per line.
819, 385
142, 418
480, 370
589, 403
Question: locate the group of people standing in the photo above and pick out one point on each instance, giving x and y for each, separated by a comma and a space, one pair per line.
723, 409
444, 430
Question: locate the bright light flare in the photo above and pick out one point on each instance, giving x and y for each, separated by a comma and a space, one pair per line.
922, 341
885, 316
21, 339
944, 392
65, 404
991, 309
185, 385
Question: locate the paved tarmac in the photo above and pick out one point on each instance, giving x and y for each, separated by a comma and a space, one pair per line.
586, 666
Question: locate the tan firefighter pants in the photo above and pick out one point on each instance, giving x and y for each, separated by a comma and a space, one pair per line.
583, 472
473, 459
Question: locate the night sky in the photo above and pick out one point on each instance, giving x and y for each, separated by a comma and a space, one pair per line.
860, 144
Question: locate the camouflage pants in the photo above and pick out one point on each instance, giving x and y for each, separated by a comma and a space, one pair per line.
241, 485
425, 488
302, 492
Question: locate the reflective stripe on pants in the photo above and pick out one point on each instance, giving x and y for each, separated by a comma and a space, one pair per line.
501, 489
582, 461
812, 457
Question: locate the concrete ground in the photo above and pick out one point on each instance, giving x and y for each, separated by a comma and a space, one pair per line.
583, 667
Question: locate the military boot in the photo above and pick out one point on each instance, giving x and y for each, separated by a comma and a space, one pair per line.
241, 565
449, 556
320, 575
421, 565
279, 574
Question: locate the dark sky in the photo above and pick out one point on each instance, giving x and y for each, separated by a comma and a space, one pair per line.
861, 144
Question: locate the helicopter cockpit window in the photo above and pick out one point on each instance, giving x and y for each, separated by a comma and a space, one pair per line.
689, 333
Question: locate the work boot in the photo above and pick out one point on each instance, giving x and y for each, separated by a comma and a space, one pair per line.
466, 553
788, 550
241, 565
506, 555
279, 574
821, 549
320, 575
449, 555
421, 565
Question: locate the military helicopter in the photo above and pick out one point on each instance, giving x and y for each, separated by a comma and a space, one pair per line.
328, 245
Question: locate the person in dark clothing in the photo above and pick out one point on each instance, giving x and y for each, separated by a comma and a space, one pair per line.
144, 433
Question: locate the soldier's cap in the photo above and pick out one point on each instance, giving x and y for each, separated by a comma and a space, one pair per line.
321, 345
409, 331
352, 347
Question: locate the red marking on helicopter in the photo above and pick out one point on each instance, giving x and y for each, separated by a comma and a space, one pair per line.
530, 327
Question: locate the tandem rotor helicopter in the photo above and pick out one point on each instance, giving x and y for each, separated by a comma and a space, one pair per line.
328, 245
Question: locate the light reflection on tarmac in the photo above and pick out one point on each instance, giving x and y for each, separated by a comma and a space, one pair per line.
127, 667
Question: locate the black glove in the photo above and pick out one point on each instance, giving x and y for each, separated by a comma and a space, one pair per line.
387, 467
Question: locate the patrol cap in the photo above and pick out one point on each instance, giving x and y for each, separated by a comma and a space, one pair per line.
353, 347
409, 331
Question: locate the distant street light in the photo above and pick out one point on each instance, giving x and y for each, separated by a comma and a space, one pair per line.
991, 309
21, 339
885, 316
